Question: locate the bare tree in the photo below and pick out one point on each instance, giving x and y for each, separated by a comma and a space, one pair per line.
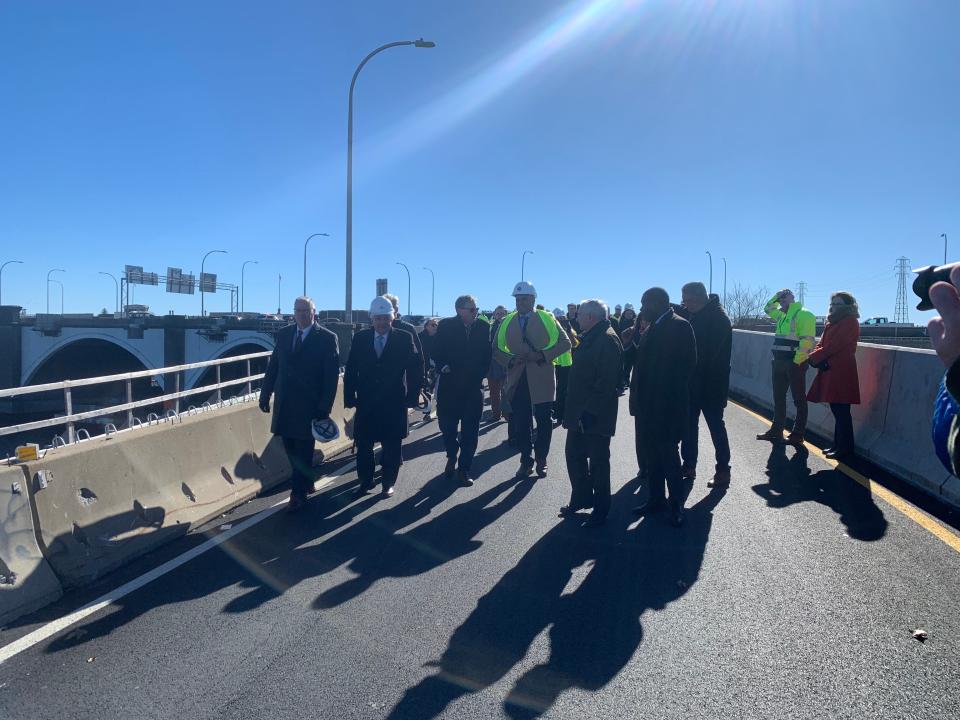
745, 304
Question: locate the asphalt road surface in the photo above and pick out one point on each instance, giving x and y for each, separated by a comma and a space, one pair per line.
794, 594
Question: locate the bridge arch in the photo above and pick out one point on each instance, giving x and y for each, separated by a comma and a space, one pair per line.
91, 354
199, 377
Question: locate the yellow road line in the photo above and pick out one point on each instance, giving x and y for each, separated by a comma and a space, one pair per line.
931, 525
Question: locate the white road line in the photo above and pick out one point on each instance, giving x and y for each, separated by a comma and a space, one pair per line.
52, 628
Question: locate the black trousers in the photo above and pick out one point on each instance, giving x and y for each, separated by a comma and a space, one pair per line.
465, 416
843, 427
300, 454
787, 375
391, 459
662, 461
524, 413
638, 445
588, 465
689, 449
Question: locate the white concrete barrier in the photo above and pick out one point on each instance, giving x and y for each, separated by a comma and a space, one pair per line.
892, 425
26, 580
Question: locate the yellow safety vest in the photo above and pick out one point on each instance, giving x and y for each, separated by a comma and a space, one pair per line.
796, 330
553, 335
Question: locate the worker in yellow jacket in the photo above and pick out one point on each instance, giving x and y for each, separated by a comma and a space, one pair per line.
795, 339
527, 345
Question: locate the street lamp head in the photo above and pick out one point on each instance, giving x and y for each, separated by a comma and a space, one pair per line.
421, 43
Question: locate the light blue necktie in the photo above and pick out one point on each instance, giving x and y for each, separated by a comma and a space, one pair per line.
523, 323
381, 339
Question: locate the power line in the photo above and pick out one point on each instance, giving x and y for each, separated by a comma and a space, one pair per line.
902, 312
801, 289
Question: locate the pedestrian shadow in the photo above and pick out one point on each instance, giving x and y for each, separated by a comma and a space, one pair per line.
590, 589
385, 552
791, 481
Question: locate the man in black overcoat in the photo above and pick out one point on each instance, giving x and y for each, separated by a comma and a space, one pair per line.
710, 384
401, 324
302, 377
666, 355
382, 379
461, 352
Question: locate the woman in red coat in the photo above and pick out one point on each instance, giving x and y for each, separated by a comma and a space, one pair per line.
835, 358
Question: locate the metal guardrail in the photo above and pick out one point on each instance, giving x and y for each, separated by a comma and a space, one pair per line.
67, 386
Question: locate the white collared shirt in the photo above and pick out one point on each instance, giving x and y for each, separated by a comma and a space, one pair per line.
303, 335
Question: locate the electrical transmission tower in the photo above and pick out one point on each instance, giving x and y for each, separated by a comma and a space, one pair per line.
901, 314
801, 290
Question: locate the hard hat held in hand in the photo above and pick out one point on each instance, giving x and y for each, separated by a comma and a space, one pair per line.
381, 306
524, 288
325, 430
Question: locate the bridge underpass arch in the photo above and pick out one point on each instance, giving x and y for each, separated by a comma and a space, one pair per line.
232, 371
77, 358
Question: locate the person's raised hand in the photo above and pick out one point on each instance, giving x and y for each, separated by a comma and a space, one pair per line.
944, 331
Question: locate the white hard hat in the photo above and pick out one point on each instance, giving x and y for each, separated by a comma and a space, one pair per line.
381, 306
557, 312
524, 288
628, 306
324, 430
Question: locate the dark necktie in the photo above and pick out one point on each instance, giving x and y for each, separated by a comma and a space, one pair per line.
298, 343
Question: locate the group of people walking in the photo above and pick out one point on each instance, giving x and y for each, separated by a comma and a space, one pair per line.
674, 358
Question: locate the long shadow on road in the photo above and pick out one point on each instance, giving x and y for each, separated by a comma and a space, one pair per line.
791, 481
595, 626
283, 551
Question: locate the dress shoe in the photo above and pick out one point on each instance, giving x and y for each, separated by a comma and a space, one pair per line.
363, 489
569, 511
463, 478
650, 507
795, 439
526, 468
450, 469
677, 517
541, 468
295, 504
387, 491
595, 522
689, 473
721, 478
839, 454
772, 435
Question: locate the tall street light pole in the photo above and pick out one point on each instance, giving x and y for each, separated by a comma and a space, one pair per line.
305, 258
433, 287
724, 282
115, 284
8, 262
279, 304
408, 285
202, 311
523, 263
244, 267
48, 285
421, 43
57, 282
711, 270
944, 236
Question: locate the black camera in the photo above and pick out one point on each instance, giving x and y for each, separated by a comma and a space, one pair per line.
926, 277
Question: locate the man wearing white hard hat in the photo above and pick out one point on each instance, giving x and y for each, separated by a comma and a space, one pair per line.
528, 342
382, 379
302, 377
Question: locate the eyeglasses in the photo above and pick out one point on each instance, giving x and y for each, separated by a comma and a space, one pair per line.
468, 309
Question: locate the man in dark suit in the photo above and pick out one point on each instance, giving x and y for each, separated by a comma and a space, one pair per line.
302, 376
666, 355
711, 380
381, 381
591, 413
462, 354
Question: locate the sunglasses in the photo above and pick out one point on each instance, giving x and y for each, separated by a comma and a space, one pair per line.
468, 309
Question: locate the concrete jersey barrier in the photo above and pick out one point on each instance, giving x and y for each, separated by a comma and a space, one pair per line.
892, 425
26, 581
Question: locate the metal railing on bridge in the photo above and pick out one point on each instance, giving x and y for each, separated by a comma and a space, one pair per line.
70, 418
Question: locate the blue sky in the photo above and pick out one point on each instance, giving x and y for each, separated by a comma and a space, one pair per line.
813, 140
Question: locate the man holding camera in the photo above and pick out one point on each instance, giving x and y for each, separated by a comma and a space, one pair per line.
795, 339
